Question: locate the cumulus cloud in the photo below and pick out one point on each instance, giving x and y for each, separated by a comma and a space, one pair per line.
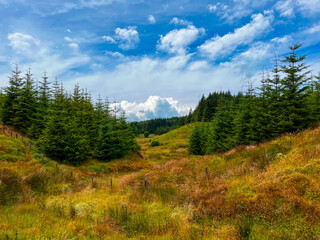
151, 19
222, 46
127, 38
178, 21
153, 107
178, 40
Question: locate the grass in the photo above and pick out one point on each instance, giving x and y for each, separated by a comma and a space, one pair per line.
269, 191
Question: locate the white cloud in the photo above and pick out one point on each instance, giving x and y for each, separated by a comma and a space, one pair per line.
114, 54
74, 46
128, 37
286, 8
151, 19
109, 39
68, 39
309, 6
217, 7
80, 4
178, 40
40, 58
222, 46
153, 107
23, 43
178, 21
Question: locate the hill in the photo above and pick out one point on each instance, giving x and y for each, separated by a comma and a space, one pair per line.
267, 191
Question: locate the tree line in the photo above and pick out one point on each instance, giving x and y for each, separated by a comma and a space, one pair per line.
68, 127
158, 126
287, 100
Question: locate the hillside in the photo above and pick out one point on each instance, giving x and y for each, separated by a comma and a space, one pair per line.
269, 191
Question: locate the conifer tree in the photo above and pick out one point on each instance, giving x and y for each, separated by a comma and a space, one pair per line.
12, 93
221, 129
197, 141
294, 88
43, 102
24, 107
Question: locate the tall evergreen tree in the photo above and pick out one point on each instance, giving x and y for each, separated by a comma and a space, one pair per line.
294, 88
24, 107
12, 93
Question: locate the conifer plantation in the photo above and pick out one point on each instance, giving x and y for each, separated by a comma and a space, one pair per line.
68, 127
287, 100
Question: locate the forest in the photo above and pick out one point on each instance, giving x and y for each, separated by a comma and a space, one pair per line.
287, 100
67, 127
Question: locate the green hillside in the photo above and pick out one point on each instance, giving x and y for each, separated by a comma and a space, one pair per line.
269, 191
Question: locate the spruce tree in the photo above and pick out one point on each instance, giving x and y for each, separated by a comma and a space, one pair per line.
294, 88
12, 93
25, 106
221, 129
43, 102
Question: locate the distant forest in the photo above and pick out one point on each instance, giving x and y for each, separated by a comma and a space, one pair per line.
66, 126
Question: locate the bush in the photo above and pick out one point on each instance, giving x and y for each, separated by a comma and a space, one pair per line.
146, 134
155, 143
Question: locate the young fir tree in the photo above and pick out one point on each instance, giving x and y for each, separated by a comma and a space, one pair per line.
43, 102
273, 93
53, 139
221, 129
259, 113
25, 106
294, 114
12, 93
197, 141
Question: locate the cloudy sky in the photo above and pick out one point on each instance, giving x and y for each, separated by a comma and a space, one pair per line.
156, 57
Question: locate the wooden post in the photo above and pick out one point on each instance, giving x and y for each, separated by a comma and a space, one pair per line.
207, 176
71, 174
146, 181
16, 135
111, 183
11, 133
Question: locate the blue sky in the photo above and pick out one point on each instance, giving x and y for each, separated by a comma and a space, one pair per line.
155, 57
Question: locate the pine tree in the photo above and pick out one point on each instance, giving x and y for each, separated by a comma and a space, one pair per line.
43, 102
221, 129
197, 141
24, 107
294, 88
12, 93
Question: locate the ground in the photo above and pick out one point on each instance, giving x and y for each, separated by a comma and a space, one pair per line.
269, 191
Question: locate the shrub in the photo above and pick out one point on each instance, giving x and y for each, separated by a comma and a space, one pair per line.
146, 134
155, 143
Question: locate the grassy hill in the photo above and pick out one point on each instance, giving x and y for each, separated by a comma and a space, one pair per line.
269, 191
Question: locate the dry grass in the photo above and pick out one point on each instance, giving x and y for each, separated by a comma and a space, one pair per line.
269, 191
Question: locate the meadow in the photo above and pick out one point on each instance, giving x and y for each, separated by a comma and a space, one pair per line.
267, 191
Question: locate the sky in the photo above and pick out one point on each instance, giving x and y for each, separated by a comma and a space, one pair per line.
154, 57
